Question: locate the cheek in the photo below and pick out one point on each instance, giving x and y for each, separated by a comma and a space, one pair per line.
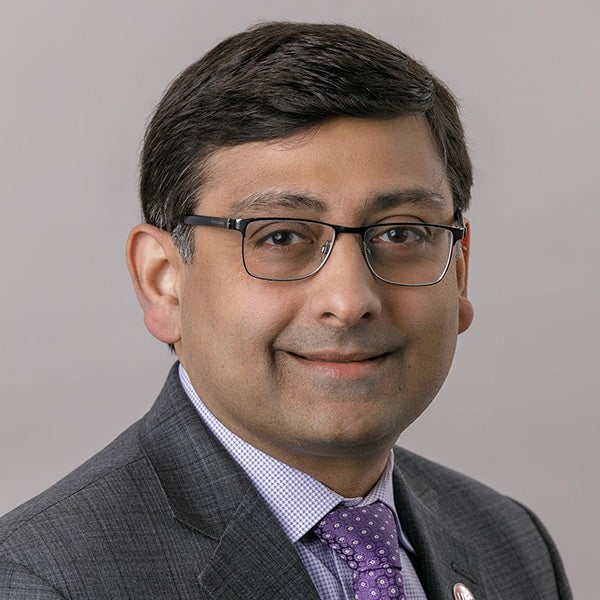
260, 314
240, 320
429, 316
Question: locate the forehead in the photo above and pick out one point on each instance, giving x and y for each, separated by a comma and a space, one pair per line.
341, 166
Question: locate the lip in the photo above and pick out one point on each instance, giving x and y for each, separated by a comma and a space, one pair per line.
341, 365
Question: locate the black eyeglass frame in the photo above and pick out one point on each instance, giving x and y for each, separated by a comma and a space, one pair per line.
458, 233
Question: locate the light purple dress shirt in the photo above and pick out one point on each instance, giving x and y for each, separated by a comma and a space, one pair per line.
299, 502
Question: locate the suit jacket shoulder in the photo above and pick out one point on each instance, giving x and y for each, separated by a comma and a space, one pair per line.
465, 531
161, 513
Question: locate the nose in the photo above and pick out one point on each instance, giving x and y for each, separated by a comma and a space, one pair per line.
345, 291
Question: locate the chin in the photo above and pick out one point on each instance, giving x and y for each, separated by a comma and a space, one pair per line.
345, 439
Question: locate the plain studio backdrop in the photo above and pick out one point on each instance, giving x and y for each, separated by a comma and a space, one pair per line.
520, 408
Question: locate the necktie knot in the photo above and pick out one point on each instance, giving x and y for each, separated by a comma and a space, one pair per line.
366, 538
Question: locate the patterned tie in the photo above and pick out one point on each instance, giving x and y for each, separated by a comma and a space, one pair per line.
366, 538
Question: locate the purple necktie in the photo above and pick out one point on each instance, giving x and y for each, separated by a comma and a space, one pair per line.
366, 537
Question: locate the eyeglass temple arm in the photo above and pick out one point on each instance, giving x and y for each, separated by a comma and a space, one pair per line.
225, 223
459, 232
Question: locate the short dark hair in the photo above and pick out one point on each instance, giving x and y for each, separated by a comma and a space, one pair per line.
274, 80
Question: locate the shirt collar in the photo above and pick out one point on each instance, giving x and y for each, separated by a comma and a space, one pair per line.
297, 500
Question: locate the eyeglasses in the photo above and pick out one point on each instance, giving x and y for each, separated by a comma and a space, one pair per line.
409, 254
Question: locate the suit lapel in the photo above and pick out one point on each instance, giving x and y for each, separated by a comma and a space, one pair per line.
443, 557
252, 557
266, 564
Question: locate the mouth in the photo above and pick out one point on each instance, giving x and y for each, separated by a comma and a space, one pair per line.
341, 365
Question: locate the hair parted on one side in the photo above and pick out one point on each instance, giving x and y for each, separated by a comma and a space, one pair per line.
274, 80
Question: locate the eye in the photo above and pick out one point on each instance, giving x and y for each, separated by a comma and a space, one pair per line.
400, 234
278, 234
282, 238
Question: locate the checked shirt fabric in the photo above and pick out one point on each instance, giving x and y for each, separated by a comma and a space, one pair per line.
366, 538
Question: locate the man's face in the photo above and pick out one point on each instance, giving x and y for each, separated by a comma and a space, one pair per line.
340, 362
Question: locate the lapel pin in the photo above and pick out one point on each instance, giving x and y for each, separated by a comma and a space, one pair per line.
462, 592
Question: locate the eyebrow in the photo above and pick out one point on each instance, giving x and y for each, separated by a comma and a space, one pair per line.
421, 197
267, 200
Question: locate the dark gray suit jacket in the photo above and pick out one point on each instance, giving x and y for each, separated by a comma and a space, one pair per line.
164, 513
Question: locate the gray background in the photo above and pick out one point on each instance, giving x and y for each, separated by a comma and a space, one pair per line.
519, 410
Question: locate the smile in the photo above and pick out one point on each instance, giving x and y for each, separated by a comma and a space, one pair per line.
340, 366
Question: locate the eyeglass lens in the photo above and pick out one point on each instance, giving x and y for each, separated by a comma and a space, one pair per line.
405, 254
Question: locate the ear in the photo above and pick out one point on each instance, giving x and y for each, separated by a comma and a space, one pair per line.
155, 267
465, 308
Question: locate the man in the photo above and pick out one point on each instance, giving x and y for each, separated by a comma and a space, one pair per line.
305, 254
